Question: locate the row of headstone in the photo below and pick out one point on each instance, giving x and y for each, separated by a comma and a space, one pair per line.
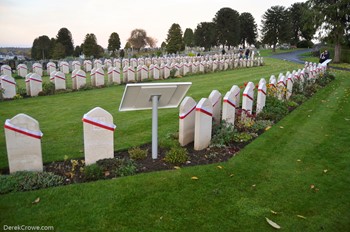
196, 119
23, 140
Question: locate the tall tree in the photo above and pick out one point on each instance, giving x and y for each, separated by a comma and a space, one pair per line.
90, 47
188, 37
113, 43
227, 26
65, 38
41, 48
58, 51
249, 31
275, 26
139, 39
174, 39
205, 35
333, 17
77, 51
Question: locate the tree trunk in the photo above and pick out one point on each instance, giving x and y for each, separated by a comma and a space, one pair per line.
274, 48
337, 49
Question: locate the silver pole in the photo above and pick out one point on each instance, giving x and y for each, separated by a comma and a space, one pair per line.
154, 127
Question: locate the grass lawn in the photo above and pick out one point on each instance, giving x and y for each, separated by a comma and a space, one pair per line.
60, 115
298, 167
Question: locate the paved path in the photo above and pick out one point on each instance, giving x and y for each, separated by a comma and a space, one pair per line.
292, 56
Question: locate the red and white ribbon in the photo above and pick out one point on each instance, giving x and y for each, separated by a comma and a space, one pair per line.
282, 83
229, 102
57, 76
204, 111
184, 115
216, 101
99, 123
100, 73
8, 81
116, 71
6, 68
79, 75
247, 95
35, 79
262, 91
30, 133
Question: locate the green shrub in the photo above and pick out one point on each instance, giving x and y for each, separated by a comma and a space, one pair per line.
93, 172
298, 98
25, 181
305, 44
291, 103
137, 153
48, 89
261, 125
176, 155
243, 137
126, 168
169, 141
172, 73
223, 134
274, 110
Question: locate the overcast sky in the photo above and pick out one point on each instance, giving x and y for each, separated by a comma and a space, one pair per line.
21, 21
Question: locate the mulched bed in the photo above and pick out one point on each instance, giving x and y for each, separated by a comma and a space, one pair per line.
207, 156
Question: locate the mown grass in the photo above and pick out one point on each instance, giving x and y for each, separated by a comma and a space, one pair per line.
60, 115
276, 172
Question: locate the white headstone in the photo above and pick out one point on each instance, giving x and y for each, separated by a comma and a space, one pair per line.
76, 65
52, 76
50, 67
281, 87
27, 80
260, 102
99, 77
186, 69
156, 72
151, 70
109, 74
247, 100
125, 74
290, 82
23, 143
117, 63
38, 69
229, 108
98, 135
144, 72
236, 92
6, 70
8, 84
203, 124
22, 70
80, 79
215, 98
92, 76
131, 74
97, 64
35, 84
116, 75
273, 85
167, 69
64, 67
138, 72
187, 121
60, 80
161, 71
87, 65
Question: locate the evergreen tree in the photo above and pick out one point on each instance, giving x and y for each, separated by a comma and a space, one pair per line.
189, 37
174, 39
227, 26
58, 51
275, 26
205, 35
249, 31
90, 47
113, 43
41, 48
65, 38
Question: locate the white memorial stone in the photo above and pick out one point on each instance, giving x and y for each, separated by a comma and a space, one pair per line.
60, 80
247, 100
6, 70
23, 143
116, 75
99, 77
64, 67
203, 124
8, 86
38, 69
131, 74
281, 87
22, 70
144, 72
237, 93
50, 67
261, 99
229, 108
187, 121
80, 79
98, 135
215, 98
35, 84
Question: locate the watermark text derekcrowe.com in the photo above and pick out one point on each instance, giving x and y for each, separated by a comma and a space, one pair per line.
27, 228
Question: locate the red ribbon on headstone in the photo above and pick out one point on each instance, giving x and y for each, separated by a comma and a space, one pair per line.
204, 111
229, 102
33, 134
262, 91
8, 81
184, 115
249, 97
98, 123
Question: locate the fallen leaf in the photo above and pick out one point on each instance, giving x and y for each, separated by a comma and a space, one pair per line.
312, 186
177, 167
301, 216
36, 201
194, 178
273, 224
273, 212
254, 185
268, 128
347, 119
232, 175
299, 160
325, 171
107, 173
281, 127
220, 167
